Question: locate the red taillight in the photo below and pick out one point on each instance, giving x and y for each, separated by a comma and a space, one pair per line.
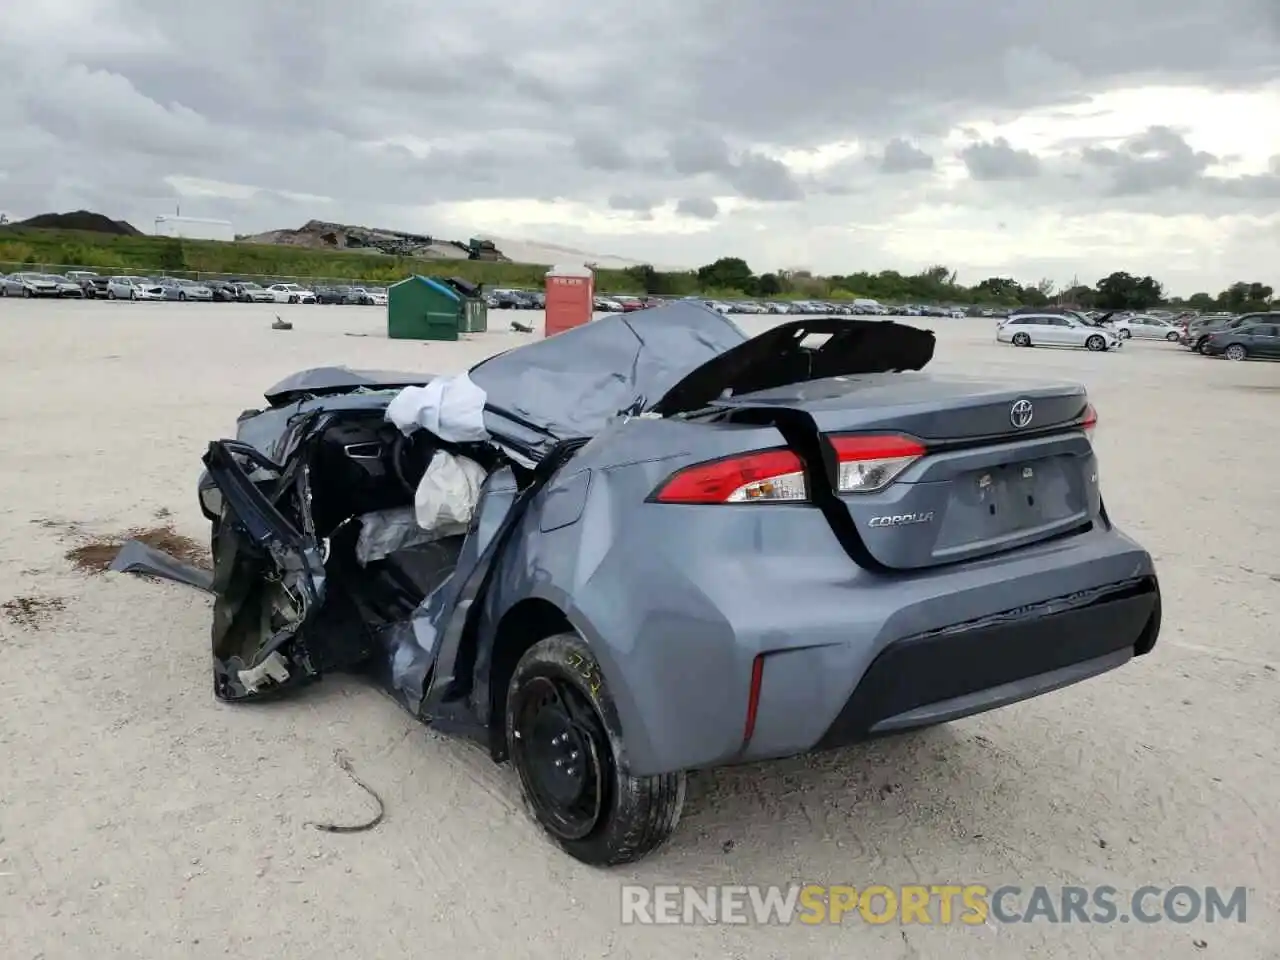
871, 463
1089, 420
769, 475
866, 464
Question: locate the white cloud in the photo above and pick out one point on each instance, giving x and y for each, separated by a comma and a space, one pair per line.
824, 134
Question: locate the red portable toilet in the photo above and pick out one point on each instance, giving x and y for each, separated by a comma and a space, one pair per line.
570, 298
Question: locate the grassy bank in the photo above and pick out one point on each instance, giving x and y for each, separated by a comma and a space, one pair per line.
56, 251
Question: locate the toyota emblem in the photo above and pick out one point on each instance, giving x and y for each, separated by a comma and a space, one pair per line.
1020, 414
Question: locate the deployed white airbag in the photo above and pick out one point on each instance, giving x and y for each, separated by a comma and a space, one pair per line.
447, 495
452, 408
383, 532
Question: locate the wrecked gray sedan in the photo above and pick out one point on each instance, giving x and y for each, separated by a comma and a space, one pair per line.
652, 544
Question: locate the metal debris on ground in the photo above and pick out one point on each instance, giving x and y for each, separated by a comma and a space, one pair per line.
281, 324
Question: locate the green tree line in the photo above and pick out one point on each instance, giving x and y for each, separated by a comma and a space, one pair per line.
732, 277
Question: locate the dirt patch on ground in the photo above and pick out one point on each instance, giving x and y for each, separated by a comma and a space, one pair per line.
32, 612
95, 553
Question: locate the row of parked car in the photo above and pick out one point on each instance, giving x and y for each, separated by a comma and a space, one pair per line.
1250, 336
85, 284
501, 299
1253, 335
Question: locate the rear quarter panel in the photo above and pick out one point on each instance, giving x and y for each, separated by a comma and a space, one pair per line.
676, 601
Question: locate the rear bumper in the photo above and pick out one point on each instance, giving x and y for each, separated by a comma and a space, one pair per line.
847, 655
978, 666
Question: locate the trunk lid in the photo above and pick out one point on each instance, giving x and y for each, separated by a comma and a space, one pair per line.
1003, 464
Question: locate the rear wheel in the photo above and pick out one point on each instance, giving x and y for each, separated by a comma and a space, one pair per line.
1203, 346
565, 741
111, 294
1021, 340
1171, 337
1096, 343
181, 295
1123, 334
1236, 352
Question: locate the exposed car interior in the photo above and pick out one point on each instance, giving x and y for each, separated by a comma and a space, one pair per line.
360, 467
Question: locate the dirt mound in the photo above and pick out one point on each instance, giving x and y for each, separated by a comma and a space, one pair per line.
81, 220
96, 553
323, 235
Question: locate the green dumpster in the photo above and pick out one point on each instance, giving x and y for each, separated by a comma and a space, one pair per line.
420, 308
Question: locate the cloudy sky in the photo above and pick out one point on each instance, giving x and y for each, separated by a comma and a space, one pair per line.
999, 137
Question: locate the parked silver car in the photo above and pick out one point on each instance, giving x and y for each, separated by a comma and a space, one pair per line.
1055, 330
131, 288
67, 286
176, 289
30, 285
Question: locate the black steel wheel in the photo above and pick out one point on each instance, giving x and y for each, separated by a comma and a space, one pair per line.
566, 742
560, 752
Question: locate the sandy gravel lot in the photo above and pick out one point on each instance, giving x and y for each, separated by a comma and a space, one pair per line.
140, 819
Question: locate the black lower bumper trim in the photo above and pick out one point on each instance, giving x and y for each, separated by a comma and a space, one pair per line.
996, 651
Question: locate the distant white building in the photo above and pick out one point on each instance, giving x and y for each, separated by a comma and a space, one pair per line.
194, 228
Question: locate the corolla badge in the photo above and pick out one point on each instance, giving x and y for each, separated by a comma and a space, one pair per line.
901, 519
1020, 413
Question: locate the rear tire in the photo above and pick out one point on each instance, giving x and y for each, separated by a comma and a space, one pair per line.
1021, 340
566, 744
111, 294
1201, 347
1095, 343
1123, 334
1172, 337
